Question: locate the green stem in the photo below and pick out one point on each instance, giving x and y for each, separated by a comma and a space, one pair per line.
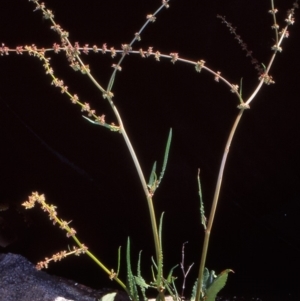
214, 206
102, 266
142, 179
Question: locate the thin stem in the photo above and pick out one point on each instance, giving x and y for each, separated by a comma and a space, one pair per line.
141, 176
275, 23
103, 267
214, 205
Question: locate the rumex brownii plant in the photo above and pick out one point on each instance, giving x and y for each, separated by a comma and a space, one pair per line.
208, 284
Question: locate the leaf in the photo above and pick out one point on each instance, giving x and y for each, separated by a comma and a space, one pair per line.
119, 260
202, 213
153, 181
170, 278
153, 177
160, 259
165, 157
131, 285
217, 285
194, 291
139, 280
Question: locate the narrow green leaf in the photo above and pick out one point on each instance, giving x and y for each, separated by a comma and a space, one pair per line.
160, 259
170, 278
119, 260
131, 285
165, 157
153, 177
202, 213
152, 271
139, 280
154, 263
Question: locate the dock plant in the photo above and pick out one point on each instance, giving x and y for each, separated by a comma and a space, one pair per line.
163, 282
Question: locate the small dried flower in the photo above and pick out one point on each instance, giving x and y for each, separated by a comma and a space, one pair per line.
39, 6
85, 107
56, 28
104, 48
28, 204
137, 36
243, 106
64, 89
199, 65
41, 265
268, 79
157, 55
95, 49
19, 50
113, 52
149, 51
57, 83
91, 112
107, 95
75, 66
48, 14
85, 69
79, 251
64, 225
142, 53
126, 48
273, 11
275, 26
101, 119
234, 88
165, 3
116, 66
286, 33
290, 20
151, 18
74, 99
112, 275
217, 76
85, 49
56, 48
64, 34
174, 57
49, 70
71, 232
276, 48
4, 49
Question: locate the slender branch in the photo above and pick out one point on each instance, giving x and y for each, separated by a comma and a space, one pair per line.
214, 205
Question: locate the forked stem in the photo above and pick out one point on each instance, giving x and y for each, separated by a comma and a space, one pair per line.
142, 179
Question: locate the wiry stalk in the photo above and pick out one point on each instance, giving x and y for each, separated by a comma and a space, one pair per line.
214, 205
264, 78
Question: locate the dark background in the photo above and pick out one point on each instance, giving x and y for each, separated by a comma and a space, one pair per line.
87, 172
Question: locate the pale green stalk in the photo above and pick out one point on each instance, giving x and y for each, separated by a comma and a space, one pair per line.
225, 155
214, 206
103, 267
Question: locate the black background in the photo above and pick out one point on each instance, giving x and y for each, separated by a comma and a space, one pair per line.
87, 172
